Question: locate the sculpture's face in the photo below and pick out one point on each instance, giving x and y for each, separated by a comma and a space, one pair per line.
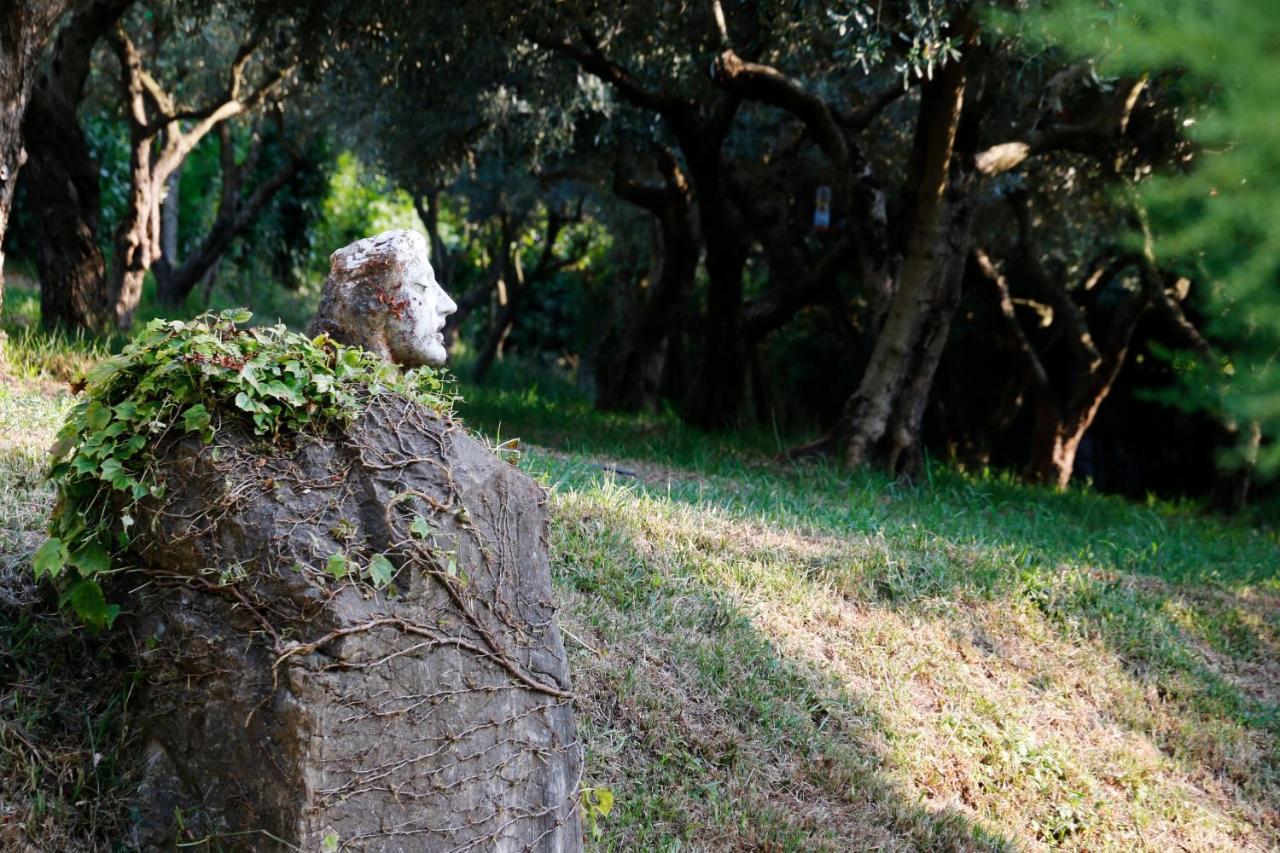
382, 295
415, 327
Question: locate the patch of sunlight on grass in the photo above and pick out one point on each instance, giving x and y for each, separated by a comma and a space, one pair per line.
805, 657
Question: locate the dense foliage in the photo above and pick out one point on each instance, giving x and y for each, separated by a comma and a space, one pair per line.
188, 378
1217, 220
886, 232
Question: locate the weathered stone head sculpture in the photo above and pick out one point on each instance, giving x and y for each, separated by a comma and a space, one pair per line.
382, 294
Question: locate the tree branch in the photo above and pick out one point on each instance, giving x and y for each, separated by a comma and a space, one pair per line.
861, 117
773, 308
1079, 338
1094, 138
1031, 361
592, 60
235, 213
651, 197
768, 85
131, 78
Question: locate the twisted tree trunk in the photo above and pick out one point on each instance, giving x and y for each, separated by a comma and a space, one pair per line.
880, 424
154, 116
1064, 412
63, 191
62, 177
25, 28
719, 390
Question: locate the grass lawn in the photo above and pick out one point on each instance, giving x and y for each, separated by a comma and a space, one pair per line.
782, 657
787, 657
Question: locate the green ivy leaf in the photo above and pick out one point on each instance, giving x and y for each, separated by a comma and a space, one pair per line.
279, 390
196, 418
337, 566
50, 558
132, 446
111, 468
604, 801
87, 600
380, 571
64, 443
329, 844
420, 527
91, 559
245, 403
97, 416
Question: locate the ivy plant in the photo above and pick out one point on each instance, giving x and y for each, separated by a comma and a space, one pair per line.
180, 378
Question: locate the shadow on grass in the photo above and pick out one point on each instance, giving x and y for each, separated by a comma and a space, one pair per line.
1190, 606
65, 746
705, 731
1033, 525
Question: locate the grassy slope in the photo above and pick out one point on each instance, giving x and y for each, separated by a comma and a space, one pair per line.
789, 658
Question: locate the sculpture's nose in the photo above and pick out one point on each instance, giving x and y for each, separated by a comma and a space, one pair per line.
446, 306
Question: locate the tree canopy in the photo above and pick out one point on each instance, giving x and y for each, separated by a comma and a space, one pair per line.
891, 230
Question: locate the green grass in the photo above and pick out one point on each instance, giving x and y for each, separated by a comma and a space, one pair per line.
775, 656
32, 352
788, 656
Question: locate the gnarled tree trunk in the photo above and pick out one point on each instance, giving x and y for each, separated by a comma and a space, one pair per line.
1061, 424
62, 177
151, 111
719, 390
25, 28
880, 423
63, 191
1064, 412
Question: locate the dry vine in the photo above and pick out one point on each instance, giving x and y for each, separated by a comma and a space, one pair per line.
438, 696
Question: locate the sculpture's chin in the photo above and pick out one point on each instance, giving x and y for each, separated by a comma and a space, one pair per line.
435, 355
431, 353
